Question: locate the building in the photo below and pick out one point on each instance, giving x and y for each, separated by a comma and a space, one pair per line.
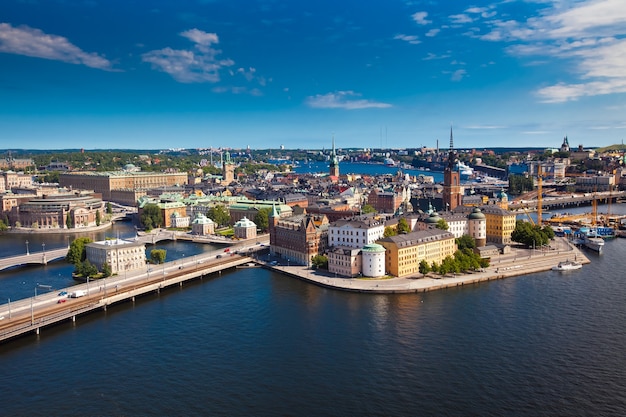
385, 201
53, 211
355, 232
202, 225
121, 255
333, 167
10, 180
373, 260
245, 229
452, 193
344, 262
298, 238
473, 224
228, 170
178, 221
106, 182
405, 252
499, 222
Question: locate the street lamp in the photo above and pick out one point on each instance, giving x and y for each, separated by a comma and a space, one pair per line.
43, 247
27, 252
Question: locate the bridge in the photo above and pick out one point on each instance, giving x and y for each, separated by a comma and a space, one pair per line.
32, 314
572, 200
42, 257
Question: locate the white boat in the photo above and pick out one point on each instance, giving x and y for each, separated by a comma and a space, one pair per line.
567, 266
593, 242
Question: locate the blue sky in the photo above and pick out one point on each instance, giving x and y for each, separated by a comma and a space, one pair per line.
263, 73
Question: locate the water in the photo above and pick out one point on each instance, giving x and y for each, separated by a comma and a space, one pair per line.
363, 168
252, 342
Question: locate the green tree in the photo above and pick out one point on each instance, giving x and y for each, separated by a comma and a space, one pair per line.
219, 214
77, 252
109, 208
442, 224
424, 268
319, 262
531, 235
3, 226
390, 231
262, 219
68, 221
368, 208
157, 256
106, 270
403, 226
465, 242
97, 217
152, 212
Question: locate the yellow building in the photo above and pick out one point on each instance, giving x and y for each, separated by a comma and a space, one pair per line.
500, 224
405, 252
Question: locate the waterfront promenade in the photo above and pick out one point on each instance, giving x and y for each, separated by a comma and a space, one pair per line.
518, 262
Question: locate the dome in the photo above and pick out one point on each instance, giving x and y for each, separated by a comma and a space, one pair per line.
245, 223
477, 214
373, 247
433, 218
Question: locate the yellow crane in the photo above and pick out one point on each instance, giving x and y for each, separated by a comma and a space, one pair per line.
539, 194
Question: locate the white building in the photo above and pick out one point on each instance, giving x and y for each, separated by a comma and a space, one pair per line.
245, 229
202, 225
356, 232
373, 260
121, 255
176, 220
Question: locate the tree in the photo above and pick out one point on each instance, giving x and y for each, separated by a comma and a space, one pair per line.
531, 235
262, 219
77, 252
219, 214
442, 224
109, 208
97, 217
389, 231
465, 242
68, 220
368, 208
319, 262
106, 270
3, 226
403, 226
157, 256
151, 216
424, 268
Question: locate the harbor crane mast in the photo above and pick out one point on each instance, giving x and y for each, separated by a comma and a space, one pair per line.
539, 194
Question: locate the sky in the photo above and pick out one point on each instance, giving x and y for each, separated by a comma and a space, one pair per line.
158, 74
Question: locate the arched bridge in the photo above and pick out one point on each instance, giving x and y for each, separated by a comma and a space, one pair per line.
42, 257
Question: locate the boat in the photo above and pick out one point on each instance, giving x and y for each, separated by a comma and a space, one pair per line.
249, 265
593, 242
567, 266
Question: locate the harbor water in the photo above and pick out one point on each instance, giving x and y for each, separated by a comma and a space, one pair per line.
254, 342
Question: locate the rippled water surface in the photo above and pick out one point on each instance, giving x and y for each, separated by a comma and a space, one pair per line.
252, 342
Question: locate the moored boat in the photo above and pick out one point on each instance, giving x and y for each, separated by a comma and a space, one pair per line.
567, 266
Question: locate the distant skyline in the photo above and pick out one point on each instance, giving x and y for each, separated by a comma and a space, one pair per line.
374, 74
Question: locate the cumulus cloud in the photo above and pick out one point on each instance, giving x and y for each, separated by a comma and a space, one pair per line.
458, 75
420, 18
348, 100
460, 18
35, 43
433, 32
197, 65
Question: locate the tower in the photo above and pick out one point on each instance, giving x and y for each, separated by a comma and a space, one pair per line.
451, 179
228, 170
334, 162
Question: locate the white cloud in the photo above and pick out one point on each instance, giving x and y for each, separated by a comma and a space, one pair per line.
458, 75
430, 56
483, 127
420, 18
408, 38
191, 66
32, 42
460, 18
588, 34
343, 100
433, 32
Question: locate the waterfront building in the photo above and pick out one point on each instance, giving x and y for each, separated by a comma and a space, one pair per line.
10, 180
344, 261
105, 182
373, 260
52, 211
121, 255
499, 222
405, 252
298, 238
245, 229
459, 223
202, 225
